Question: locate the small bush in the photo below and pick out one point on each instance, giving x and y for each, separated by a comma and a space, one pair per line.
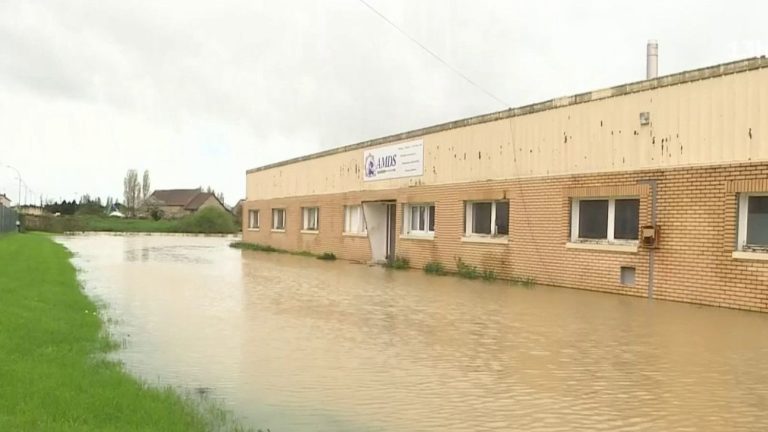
435, 268
488, 275
327, 256
465, 270
209, 220
156, 214
399, 263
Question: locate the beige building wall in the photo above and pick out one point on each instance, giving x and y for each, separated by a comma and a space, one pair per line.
694, 262
710, 116
706, 143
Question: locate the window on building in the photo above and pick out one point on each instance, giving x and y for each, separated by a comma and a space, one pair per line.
354, 222
605, 219
278, 219
253, 219
311, 218
419, 219
487, 218
753, 222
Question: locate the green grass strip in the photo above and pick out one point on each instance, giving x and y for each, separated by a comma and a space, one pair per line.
54, 374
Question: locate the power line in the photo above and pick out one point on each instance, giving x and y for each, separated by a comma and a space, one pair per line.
433, 54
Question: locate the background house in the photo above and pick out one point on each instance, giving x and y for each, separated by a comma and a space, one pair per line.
237, 210
30, 210
175, 203
4, 201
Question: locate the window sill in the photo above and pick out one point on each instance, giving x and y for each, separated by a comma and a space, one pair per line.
491, 240
351, 234
754, 256
275, 230
603, 247
253, 229
417, 236
310, 231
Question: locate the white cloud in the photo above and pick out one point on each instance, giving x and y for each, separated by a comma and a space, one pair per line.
197, 92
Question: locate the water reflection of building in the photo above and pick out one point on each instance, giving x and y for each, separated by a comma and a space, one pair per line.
656, 187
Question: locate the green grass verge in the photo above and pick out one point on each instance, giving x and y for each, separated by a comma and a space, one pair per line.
54, 374
206, 221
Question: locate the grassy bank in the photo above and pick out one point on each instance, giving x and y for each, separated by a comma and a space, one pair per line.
206, 221
53, 371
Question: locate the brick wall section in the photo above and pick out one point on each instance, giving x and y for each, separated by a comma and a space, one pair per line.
697, 212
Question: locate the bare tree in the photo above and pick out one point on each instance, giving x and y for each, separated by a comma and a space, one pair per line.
145, 185
131, 190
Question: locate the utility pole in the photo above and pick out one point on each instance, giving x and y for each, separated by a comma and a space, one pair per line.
18, 175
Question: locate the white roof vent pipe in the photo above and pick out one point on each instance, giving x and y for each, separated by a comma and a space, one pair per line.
652, 59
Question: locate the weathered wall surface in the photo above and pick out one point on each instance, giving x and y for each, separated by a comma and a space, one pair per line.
697, 210
697, 122
172, 212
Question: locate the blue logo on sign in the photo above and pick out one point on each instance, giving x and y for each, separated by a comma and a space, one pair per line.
370, 166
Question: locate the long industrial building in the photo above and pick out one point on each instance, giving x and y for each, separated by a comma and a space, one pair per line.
656, 188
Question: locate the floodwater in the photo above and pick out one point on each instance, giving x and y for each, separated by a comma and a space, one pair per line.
296, 344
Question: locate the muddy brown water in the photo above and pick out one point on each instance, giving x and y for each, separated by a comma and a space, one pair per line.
297, 344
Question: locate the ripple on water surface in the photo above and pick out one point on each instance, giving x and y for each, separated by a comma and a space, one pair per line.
298, 344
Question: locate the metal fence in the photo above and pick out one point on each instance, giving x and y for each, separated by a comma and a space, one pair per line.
8, 218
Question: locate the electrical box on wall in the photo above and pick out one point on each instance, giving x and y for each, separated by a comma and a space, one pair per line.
649, 236
645, 118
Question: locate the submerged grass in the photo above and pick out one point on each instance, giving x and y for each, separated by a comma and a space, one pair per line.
54, 373
399, 263
255, 246
435, 268
327, 256
467, 271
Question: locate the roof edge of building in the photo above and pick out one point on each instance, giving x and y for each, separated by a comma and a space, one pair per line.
683, 77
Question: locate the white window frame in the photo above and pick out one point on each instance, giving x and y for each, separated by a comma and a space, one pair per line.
275, 212
408, 229
253, 219
310, 217
743, 219
469, 222
362, 229
611, 221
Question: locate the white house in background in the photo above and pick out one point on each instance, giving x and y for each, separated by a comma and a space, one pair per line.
4, 201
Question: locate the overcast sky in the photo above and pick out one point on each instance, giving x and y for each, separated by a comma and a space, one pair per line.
198, 92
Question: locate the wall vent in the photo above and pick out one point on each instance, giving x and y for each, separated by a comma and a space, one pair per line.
627, 276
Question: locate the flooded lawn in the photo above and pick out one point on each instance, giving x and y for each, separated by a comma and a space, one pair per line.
297, 344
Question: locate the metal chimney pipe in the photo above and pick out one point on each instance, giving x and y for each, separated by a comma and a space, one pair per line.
652, 59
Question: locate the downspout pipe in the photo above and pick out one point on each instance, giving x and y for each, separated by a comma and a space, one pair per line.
653, 183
